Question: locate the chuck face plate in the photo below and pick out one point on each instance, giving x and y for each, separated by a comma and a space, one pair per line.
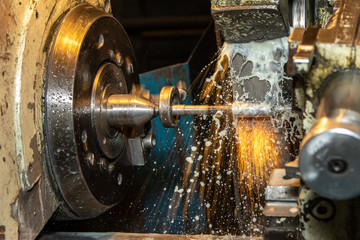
90, 58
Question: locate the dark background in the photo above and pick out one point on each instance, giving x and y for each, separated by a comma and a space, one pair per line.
162, 32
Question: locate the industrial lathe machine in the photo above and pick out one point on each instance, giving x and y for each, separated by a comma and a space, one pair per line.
256, 136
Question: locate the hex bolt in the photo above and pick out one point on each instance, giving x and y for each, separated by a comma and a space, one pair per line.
111, 53
149, 141
321, 208
90, 158
118, 58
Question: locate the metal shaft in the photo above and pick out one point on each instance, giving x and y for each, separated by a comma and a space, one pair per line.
131, 110
236, 109
182, 110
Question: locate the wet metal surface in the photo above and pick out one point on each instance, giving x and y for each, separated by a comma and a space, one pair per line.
86, 38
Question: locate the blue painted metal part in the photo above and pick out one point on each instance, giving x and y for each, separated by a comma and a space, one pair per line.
166, 76
154, 81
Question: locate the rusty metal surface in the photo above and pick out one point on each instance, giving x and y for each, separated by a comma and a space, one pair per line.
277, 178
301, 61
335, 48
343, 25
276, 209
27, 199
335, 43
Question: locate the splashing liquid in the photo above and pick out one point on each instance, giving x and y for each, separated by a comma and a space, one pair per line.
238, 155
212, 180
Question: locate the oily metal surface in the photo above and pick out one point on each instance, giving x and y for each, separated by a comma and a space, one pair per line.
85, 40
108, 81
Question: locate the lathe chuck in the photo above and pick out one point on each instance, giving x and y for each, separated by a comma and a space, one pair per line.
90, 58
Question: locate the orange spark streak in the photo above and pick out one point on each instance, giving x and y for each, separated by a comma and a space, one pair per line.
257, 155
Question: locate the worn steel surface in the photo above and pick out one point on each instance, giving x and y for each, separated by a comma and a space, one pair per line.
303, 58
89, 42
245, 21
27, 199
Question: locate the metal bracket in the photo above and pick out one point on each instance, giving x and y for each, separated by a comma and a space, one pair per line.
281, 208
303, 40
